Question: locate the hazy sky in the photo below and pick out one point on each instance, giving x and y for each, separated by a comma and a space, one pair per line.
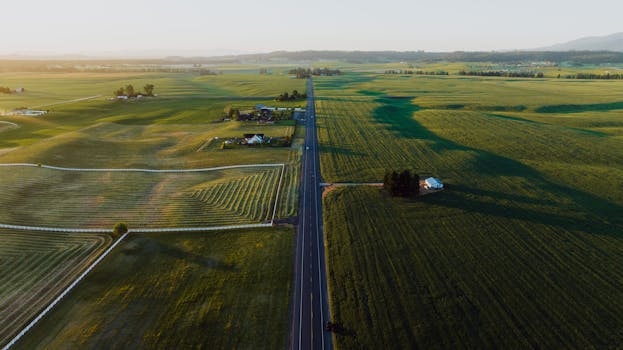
185, 26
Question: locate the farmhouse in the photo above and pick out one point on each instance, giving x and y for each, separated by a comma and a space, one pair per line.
253, 139
19, 89
433, 184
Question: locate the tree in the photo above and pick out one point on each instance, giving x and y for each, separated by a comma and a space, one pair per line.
404, 179
119, 229
403, 184
119, 92
414, 185
129, 90
149, 89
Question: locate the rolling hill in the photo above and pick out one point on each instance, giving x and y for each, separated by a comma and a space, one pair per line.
612, 42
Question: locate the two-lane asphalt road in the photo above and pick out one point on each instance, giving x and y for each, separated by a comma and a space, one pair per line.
310, 308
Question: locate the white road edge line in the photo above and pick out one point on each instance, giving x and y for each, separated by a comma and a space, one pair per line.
302, 233
319, 241
64, 293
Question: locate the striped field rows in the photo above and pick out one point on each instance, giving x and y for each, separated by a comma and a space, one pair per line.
39, 196
35, 267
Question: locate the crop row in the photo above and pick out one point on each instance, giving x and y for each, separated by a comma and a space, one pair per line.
248, 197
46, 197
451, 271
35, 267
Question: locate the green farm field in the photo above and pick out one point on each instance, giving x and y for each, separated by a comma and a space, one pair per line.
161, 291
179, 129
240, 279
520, 250
35, 267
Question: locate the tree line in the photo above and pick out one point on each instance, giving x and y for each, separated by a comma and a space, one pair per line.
291, 97
416, 72
129, 91
606, 76
5, 90
302, 73
402, 184
500, 73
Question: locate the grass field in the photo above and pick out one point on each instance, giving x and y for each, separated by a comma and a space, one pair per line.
519, 251
215, 289
209, 290
48, 88
35, 267
179, 129
74, 199
449, 272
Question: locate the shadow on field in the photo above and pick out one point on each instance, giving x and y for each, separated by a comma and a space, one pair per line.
150, 249
588, 211
572, 108
459, 197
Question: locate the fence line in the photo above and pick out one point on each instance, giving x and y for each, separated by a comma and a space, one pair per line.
140, 170
12, 124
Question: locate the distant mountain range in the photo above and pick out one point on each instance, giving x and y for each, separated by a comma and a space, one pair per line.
613, 42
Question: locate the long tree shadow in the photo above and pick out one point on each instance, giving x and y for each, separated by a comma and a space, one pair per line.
576, 108
582, 221
397, 116
154, 249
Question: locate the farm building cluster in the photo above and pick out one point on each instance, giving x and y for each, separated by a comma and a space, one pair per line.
261, 114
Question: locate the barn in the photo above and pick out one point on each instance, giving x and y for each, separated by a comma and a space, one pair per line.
433, 184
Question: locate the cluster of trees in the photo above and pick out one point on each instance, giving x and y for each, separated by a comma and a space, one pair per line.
302, 73
606, 76
263, 70
291, 97
416, 72
119, 229
129, 91
5, 90
507, 74
402, 184
439, 72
